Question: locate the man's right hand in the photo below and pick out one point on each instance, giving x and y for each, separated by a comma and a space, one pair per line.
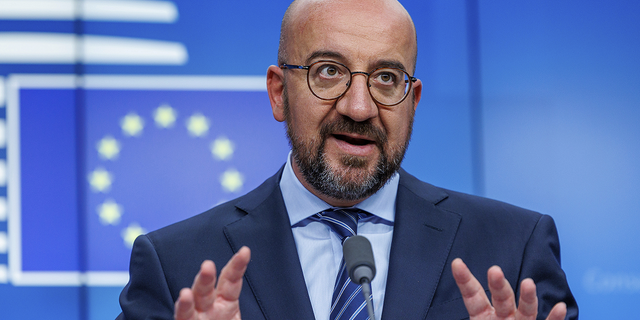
205, 300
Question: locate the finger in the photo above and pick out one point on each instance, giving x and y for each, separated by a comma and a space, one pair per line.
559, 312
502, 296
473, 295
204, 285
185, 307
230, 282
528, 303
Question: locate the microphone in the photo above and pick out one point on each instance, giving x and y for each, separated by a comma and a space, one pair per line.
358, 258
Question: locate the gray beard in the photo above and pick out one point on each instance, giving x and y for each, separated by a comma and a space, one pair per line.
335, 183
351, 181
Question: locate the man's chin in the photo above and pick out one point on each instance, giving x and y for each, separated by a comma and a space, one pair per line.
354, 172
355, 162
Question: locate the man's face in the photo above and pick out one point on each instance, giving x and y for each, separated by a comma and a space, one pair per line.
347, 149
346, 175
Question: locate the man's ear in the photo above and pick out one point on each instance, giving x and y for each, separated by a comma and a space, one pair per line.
417, 93
275, 88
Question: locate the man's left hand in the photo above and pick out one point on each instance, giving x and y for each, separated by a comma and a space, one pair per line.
503, 298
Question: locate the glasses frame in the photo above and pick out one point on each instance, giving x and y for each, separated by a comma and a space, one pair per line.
411, 78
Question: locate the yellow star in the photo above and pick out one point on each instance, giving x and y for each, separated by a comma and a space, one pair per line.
108, 148
165, 116
198, 125
110, 212
100, 180
222, 148
231, 180
130, 233
132, 124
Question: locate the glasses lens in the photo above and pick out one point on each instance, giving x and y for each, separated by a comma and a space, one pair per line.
328, 80
389, 86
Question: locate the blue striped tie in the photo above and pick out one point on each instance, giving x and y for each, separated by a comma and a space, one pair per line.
348, 302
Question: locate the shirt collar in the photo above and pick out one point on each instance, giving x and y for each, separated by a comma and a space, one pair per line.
301, 203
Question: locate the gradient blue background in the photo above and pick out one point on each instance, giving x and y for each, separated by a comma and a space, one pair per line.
534, 103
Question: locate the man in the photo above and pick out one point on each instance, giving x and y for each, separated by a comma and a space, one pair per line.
345, 91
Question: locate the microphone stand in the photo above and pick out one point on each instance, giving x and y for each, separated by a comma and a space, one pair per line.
366, 291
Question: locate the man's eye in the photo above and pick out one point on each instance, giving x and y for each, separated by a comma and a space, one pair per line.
329, 71
386, 78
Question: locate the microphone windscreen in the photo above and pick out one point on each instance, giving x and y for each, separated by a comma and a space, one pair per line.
358, 258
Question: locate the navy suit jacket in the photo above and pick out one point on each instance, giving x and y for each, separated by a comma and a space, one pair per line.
432, 227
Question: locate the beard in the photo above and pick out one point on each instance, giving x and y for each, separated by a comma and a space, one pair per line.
354, 178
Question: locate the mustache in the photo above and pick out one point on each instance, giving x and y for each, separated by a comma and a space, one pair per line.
348, 125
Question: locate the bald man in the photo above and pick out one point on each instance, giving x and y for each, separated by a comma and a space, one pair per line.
345, 89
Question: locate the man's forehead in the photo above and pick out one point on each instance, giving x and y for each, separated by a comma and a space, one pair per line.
350, 31
375, 61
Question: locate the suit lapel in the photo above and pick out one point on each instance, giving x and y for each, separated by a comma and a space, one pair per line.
274, 273
422, 238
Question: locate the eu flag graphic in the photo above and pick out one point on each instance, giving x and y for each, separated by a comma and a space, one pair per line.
142, 158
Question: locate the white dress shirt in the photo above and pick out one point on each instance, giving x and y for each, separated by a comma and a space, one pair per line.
320, 250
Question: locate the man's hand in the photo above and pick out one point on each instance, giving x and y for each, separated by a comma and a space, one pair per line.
205, 300
502, 296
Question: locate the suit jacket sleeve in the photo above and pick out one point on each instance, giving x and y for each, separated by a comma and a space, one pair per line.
541, 262
147, 295
483, 232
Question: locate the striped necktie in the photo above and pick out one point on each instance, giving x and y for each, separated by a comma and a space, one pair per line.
348, 301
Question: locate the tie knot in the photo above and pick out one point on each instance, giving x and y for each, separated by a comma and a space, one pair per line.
343, 222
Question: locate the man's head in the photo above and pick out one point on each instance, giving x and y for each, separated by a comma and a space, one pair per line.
296, 8
344, 149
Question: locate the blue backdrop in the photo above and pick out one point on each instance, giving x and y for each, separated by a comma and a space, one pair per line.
114, 124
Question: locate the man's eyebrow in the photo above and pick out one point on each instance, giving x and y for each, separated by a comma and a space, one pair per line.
388, 64
324, 54
338, 56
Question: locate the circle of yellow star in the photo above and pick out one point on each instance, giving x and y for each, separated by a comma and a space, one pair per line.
231, 180
165, 116
100, 180
130, 233
198, 125
110, 212
222, 148
132, 124
108, 148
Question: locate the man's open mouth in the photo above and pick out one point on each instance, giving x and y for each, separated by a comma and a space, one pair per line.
354, 141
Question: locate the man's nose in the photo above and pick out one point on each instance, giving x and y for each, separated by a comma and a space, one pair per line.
357, 103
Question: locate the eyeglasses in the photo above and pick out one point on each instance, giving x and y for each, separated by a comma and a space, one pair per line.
329, 80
